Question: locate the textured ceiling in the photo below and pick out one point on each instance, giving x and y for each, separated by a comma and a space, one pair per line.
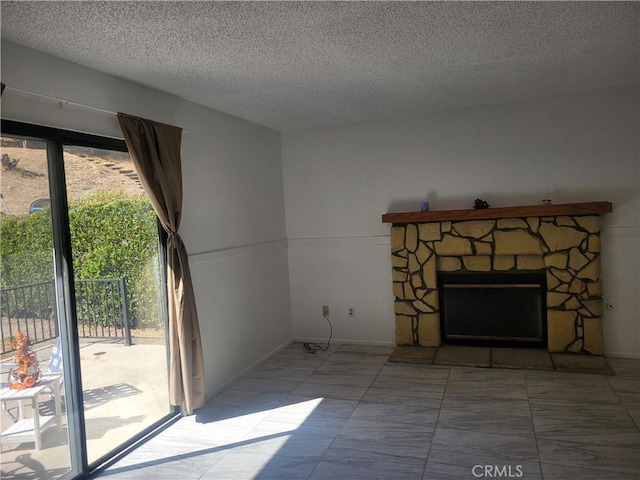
290, 65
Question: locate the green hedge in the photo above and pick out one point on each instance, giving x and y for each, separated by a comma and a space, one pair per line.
25, 247
113, 235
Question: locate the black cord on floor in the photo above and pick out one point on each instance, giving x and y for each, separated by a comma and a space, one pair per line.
314, 347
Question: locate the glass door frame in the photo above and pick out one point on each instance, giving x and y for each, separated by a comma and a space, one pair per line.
64, 291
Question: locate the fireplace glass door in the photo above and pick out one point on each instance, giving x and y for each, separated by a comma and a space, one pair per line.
493, 308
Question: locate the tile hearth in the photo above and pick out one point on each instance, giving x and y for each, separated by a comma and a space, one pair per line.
494, 357
350, 413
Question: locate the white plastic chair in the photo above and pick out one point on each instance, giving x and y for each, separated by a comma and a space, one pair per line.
55, 362
55, 368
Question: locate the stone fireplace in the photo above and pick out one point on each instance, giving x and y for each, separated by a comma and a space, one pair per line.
562, 241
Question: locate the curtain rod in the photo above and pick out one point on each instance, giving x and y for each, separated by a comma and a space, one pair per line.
63, 101
60, 100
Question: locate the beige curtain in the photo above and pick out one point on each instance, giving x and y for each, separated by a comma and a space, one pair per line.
155, 149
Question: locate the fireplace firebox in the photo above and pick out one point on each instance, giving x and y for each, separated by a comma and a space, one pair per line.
493, 309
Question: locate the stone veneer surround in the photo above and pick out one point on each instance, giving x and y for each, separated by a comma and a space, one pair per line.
566, 247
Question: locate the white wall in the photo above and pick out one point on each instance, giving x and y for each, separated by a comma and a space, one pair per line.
233, 221
338, 181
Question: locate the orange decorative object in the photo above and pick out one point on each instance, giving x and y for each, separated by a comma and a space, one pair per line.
29, 381
26, 372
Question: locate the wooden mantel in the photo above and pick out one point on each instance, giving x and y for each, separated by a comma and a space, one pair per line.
589, 208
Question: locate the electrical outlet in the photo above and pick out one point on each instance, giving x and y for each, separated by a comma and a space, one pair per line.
351, 312
325, 310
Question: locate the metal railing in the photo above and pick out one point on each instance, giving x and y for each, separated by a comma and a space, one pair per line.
101, 308
28, 309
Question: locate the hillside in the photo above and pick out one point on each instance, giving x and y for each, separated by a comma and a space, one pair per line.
85, 173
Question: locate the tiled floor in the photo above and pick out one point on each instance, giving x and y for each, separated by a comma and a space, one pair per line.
347, 414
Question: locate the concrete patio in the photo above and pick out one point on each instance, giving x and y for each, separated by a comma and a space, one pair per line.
125, 390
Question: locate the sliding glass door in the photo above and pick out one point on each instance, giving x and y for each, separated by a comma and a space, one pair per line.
106, 298
34, 426
121, 327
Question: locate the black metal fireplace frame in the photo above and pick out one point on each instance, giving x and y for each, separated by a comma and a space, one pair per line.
513, 279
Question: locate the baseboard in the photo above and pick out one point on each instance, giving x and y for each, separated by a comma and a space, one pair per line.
344, 341
632, 356
255, 364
